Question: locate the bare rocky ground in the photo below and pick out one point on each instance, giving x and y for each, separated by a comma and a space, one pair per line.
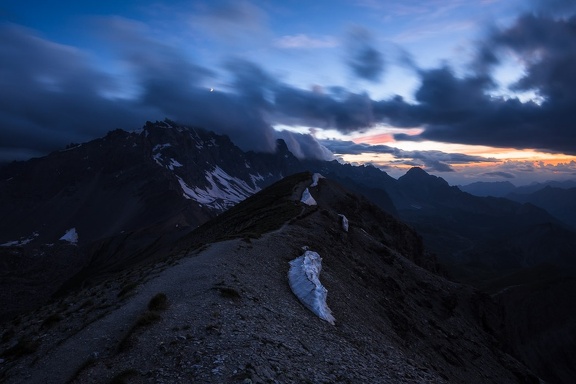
224, 313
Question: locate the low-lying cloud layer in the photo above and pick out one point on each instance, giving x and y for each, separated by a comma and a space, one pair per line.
433, 160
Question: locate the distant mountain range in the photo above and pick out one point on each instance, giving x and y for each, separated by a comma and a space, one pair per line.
503, 188
556, 197
81, 216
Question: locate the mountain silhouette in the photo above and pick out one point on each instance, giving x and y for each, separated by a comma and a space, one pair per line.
89, 226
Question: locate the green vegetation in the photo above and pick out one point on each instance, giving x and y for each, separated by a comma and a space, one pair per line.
8, 335
85, 365
86, 304
229, 293
51, 320
158, 303
148, 318
25, 346
126, 289
123, 376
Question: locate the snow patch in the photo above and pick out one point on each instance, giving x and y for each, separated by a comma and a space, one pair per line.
22, 241
315, 178
190, 193
70, 236
158, 159
160, 147
174, 163
223, 191
307, 198
344, 222
70, 148
255, 178
304, 280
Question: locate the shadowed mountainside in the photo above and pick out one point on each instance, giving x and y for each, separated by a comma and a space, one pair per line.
223, 312
131, 198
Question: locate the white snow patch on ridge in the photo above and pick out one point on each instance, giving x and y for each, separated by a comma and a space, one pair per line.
315, 178
344, 220
174, 163
160, 147
304, 280
158, 156
70, 236
22, 241
223, 192
307, 198
158, 159
255, 178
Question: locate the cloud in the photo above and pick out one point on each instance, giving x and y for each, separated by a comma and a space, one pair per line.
228, 18
364, 60
548, 48
460, 110
303, 41
554, 6
433, 160
505, 175
438, 166
50, 95
305, 146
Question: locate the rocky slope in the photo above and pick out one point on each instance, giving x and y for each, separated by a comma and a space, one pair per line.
223, 312
130, 199
126, 196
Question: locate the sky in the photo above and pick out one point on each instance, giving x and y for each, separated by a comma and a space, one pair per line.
469, 90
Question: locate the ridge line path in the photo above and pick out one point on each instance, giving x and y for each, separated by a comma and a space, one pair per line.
192, 276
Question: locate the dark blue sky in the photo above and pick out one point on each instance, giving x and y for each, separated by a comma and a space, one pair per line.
470, 89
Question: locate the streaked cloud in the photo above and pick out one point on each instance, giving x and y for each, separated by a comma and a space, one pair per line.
504, 175
433, 160
305, 41
364, 59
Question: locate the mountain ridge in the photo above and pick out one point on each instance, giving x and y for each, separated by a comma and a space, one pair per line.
134, 198
229, 315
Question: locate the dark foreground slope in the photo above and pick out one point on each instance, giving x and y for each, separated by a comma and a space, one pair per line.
540, 321
128, 196
561, 202
224, 313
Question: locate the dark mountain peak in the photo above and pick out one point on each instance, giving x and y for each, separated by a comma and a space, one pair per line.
416, 172
489, 188
169, 132
281, 146
112, 135
493, 183
419, 176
